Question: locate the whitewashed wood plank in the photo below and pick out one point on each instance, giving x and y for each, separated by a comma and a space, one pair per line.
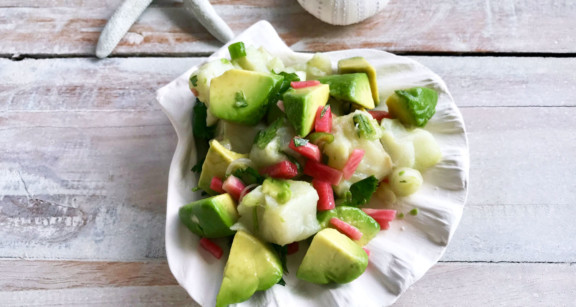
105, 297
21, 275
446, 284
111, 84
494, 284
507, 81
85, 84
72, 27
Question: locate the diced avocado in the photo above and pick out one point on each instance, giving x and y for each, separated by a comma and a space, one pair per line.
414, 106
242, 96
350, 87
252, 266
332, 257
210, 217
301, 105
201, 79
278, 189
216, 163
359, 64
355, 217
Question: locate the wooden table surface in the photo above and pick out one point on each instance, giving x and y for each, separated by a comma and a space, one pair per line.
85, 148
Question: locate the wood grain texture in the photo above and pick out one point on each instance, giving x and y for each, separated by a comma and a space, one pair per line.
62, 283
90, 180
46, 28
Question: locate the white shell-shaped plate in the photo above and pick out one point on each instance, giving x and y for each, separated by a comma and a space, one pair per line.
399, 256
343, 12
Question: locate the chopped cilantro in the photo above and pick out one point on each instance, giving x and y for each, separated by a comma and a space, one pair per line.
267, 135
196, 189
240, 100
281, 282
295, 161
300, 142
413, 212
364, 127
199, 126
197, 168
361, 191
403, 181
248, 175
401, 173
194, 80
400, 215
282, 251
324, 109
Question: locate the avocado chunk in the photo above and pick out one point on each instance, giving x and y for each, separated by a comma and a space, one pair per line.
359, 64
355, 217
301, 106
350, 87
217, 160
210, 217
252, 266
242, 96
414, 106
332, 257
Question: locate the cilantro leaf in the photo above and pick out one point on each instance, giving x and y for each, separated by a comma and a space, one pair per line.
197, 168
248, 175
282, 251
361, 191
194, 80
199, 127
300, 142
267, 135
324, 109
364, 127
282, 282
240, 100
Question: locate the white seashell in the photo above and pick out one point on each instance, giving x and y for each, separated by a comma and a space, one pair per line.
343, 12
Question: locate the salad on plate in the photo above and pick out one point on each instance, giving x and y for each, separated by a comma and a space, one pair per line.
294, 157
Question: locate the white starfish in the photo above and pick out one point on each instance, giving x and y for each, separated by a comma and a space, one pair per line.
130, 10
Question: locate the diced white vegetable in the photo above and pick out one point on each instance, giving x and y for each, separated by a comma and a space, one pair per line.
319, 66
206, 73
241, 137
278, 223
274, 151
258, 59
375, 162
409, 148
405, 181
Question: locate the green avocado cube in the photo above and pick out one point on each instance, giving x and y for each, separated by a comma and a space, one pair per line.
414, 106
359, 64
355, 217
242, 96
302, 104
332, 257
210, 217
252, 266
354, 88
217, 160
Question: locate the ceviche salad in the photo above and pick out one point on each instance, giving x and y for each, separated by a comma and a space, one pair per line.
294, 153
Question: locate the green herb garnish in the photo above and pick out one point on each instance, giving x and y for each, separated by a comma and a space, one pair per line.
282, 251
400, 215
267, 135
199, 127
240, 100
364, 127
194, 80
361, 191
248, 175
324, 109
300, 142
413, 212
